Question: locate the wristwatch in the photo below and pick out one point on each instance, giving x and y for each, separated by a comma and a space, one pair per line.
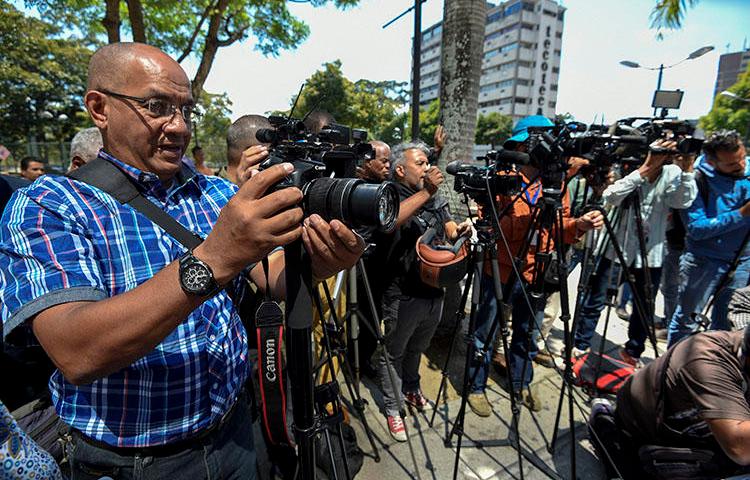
196, 277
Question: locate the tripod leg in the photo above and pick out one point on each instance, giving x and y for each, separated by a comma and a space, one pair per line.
460, 316
389, 369
352, 385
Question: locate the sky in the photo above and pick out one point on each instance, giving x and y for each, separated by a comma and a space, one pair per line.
598, 34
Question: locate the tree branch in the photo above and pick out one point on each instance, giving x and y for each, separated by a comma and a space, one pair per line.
209, 48
189, 47
111, 20
232, 37
135, 12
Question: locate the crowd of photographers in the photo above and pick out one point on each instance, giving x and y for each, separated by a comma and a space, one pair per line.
149, 344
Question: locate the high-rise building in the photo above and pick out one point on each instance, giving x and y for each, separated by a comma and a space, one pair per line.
731, 66
521, 63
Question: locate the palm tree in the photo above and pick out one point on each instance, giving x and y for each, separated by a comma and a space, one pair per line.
461, 67
669, 14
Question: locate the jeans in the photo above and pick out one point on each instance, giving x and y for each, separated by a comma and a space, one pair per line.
594, 303
670, 281
520, 354
699, 277
228, 453
409, 324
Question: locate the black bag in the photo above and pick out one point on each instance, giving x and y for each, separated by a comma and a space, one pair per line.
613, 447
354, 455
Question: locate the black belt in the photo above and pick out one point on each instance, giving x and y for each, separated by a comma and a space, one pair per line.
168, 449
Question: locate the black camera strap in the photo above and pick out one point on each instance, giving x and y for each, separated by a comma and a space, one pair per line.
269, 322
109, 178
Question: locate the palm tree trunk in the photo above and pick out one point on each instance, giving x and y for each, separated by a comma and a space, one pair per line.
461, 67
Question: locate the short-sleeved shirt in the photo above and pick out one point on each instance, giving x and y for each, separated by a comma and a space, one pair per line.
705, 380
62, 241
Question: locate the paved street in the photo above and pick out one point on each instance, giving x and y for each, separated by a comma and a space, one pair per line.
499, 461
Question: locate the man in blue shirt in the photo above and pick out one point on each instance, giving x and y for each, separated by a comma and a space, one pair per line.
716, 224
151, 360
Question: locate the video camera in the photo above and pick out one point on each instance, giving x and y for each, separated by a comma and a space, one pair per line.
335, 151
497, 176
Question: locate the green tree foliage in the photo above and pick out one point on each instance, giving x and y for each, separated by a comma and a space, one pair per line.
730, 112
373, 106
42, 79
184, 28
669, 14
210, 129
493, 129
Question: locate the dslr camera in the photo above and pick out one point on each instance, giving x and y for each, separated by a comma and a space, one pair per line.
498, 175
324, 167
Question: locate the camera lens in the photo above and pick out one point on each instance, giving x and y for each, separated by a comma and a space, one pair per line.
354, 202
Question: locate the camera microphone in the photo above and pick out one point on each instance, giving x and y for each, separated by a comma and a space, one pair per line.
455, 167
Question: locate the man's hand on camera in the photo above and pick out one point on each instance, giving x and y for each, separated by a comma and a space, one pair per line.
249, 161
252, 224
433, 177
655, 161
685, 162
464, 229
593, 220
332, 246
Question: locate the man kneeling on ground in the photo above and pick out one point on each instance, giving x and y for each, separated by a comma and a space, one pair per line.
694, 396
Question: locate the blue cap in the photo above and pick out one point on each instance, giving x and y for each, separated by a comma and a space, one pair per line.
521, 132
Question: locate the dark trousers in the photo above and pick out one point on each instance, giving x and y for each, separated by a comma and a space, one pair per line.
595, 300
226, 454
410, 323
521, 352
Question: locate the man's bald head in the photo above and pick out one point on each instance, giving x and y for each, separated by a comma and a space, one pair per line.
241, 135
112, 66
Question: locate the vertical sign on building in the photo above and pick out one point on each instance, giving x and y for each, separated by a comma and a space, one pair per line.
544, 60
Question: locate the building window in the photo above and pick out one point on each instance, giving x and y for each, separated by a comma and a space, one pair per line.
522, 81
528, 26
505, 83
522, 63
558, 34
520, 100
555, 70
549, 13
528, 6
557, 52
553, 87
491, 53
505, 101
551, 104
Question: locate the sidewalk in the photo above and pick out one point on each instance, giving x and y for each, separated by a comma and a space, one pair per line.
436, 460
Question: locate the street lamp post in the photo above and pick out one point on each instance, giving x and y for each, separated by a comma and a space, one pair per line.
698, 53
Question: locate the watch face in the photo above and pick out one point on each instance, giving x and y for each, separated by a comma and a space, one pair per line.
195, 277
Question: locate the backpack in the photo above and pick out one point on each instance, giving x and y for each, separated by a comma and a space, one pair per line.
354, 455
600, 374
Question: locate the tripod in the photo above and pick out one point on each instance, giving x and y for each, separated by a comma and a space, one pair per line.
644, 306
486, 251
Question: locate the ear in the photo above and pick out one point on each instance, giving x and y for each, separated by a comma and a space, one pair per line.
400, 171
96, 105
76, 162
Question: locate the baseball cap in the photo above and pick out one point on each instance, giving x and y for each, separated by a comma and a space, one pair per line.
521, 129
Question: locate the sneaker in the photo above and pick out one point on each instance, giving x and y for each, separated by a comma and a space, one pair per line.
530, 399
635, 362
479, 404
545, 358
396, 427
498, 361
576, 352
622, 313
418, 401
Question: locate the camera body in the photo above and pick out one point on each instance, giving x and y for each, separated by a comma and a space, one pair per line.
324, 167
497, 177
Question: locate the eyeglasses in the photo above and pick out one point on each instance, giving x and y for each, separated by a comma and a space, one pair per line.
158, 107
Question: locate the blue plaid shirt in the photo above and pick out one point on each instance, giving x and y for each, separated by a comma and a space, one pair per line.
63, 241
